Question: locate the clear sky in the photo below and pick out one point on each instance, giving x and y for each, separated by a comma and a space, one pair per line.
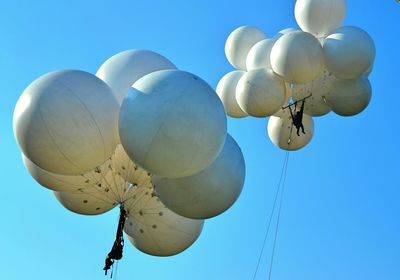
340, 218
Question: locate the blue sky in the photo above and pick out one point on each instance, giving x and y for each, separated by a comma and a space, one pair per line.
340, 218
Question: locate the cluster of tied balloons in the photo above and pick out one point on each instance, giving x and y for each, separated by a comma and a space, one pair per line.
139, 133
324, 63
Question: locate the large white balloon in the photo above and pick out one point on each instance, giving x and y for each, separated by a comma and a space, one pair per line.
226, 90
210, 192
259, 55
129, 170
175, 126
97, 199
319, 17
349, 52
283, 134
122, 70
66, 122
65, 183
297, 57
349, 97
315, 91
156, 230
239, 43
260, 92
83, 203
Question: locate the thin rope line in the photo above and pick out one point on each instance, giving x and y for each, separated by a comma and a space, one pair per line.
278, 219
272, 212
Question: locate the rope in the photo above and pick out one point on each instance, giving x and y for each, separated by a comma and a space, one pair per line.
278, 219
282, 177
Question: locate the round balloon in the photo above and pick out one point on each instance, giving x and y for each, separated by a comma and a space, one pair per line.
154, 229
122, 70
259, 55
210, 192
66, 122
174, 126
297, 57
319, 17
129, 170
260, 93
226, 90
349, 52
239, 43
315, 92
83, 203
283, 134
65, 183
349, 97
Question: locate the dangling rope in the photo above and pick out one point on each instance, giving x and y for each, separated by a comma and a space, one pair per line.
278, 219
281, 183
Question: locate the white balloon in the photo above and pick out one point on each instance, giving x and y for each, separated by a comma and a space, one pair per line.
349, 97
318, 89
283, 134
319, 17
65, 183
154, 229
285, 31
259, 55
210, 192
226, 90
297, 57
122, 70
349, 52
260, 93
66, 122
84, 204
129, 170
175, 126
239, 43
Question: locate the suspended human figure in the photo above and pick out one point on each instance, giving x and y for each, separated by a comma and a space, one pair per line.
297, 117
116, 251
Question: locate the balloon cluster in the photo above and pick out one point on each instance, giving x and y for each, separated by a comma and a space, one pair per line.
139, 133
324, 64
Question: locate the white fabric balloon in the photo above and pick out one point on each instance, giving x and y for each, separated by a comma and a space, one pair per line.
122, 70
129, 170
297, 57
349, 97
175, 126
83, 203
260, 93
154, 229
210, 192
349, 52
111, 190
66, 122
226, 90
318, 89
65, 183
259, 55
239, 43
283, 134
319, 17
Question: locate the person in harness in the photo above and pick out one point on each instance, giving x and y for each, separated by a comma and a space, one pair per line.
297, 117
116, 251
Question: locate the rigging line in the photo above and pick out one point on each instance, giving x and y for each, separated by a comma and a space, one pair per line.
116, 269
278, 219
272, 213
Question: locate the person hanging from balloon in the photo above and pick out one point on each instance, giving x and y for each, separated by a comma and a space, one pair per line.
116, 251
297, 117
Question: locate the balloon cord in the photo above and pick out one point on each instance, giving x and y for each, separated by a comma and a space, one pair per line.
281, 179
277, 221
